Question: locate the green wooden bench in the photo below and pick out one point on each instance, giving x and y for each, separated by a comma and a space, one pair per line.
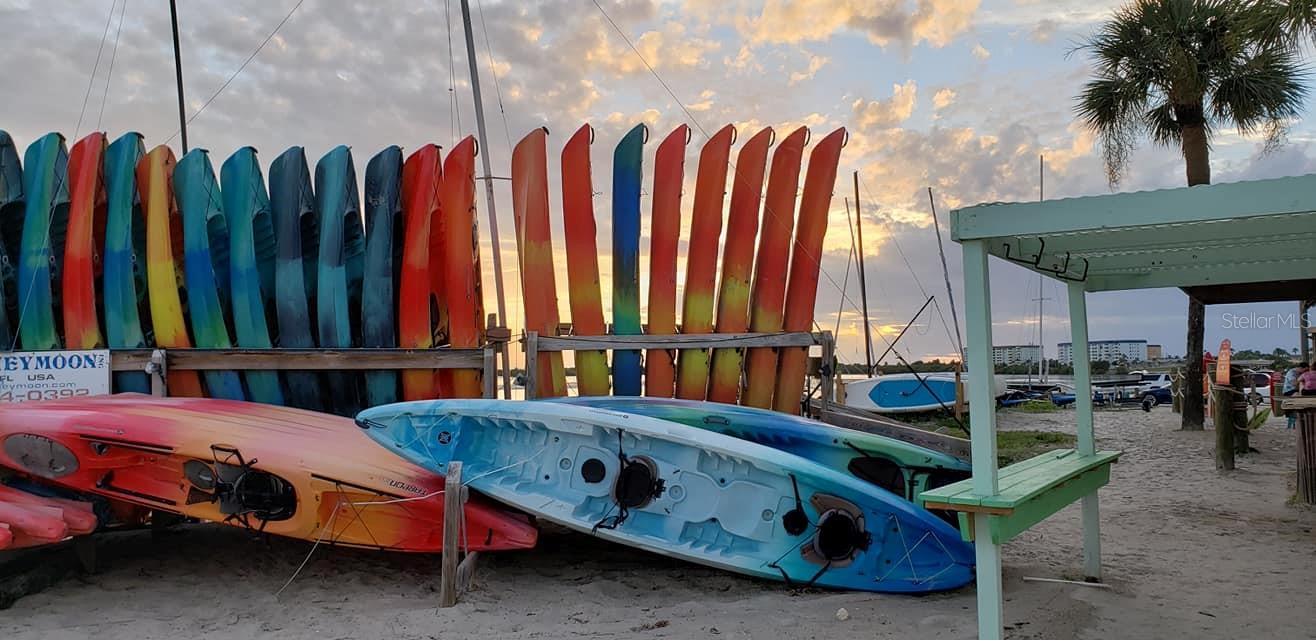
1027, 492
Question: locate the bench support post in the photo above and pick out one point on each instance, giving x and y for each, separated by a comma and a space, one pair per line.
978, 322
1087, 444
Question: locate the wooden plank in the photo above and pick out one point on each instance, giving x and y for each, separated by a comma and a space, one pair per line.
883, 426
1045, 479
678, 341
1045, 504
283, 359
532, 350
452, 527
952, 506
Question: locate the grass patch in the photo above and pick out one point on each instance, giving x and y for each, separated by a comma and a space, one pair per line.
1037, 406
1011, 446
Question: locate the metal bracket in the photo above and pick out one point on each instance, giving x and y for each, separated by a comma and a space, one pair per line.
1031, 262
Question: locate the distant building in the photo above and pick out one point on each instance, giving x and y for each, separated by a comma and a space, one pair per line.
1154, 352
1016, 354
1108, 350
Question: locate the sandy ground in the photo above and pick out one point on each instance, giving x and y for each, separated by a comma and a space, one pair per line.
1188, 552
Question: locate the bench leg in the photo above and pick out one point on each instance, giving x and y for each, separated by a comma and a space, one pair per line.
991, 606
1091, 538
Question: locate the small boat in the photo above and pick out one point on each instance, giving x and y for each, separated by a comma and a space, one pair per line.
681, 492
910, 392
268, 469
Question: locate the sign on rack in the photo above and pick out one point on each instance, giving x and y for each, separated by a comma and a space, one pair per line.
52, 375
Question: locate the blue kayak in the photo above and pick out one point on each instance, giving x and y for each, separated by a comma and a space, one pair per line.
205, 264
127, 310
297, 242
11, 234
383, 267
682, 492
339, 271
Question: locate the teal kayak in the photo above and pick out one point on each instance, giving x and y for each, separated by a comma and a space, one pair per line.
339, 273
205, 264
127, 310
383, 265
297, 241
11, 235
45, 222
251, 265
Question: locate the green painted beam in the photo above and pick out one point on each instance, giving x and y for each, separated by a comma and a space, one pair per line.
1295, 195
1202, 275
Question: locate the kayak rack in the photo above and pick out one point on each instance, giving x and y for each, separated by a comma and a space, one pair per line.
158, 362
534, 344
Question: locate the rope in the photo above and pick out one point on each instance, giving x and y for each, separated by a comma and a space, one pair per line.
114, 53
91, 80
239, 69
454, 113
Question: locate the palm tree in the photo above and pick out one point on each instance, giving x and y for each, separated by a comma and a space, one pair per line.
1177, 72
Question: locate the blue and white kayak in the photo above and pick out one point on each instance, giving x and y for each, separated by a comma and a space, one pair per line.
904, 469
681, 492
908, 393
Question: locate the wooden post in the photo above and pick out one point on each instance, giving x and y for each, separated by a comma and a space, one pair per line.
452, 529
827, 372
959, 390
490, 371
1086, 433
978, 323
531, 365
157, 368
1307, 456
1242, 383
1222, 399
1176, 390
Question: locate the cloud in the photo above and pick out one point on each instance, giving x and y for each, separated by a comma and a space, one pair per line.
980, 52
887, 113
816, 62
943, 98
883, 22
1045, 30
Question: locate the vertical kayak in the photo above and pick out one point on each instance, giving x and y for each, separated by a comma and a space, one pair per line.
802, 287
664, 237
583, 290
205, 264
461, 264
534, 244
626, 173
84, 242
297, 241
164, 262
769, 289
127, 311
341, 263
701, 261
418, 308
738, 263
379, 288
11, 234
45, 221
252, 252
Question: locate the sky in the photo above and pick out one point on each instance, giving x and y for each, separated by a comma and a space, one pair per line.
962, 96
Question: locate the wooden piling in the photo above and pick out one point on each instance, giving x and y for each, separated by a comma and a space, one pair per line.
1307, 457
452, 529
1222, 399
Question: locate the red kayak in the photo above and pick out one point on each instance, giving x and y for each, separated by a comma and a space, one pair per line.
77, 515
270, 469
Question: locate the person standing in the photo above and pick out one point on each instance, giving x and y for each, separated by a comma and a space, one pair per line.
1291, 387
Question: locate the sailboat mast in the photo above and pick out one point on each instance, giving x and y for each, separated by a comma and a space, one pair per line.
488, 185
863, 286
945, 272
178, 73
1041, 345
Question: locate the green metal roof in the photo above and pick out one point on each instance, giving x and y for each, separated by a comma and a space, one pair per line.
1244, 232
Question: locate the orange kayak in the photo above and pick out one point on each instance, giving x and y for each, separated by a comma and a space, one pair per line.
270, 469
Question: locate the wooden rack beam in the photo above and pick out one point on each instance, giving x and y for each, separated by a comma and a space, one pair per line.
679, 341
301, 359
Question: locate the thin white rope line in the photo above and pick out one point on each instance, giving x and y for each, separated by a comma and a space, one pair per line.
114, 53
455, 115
91, 80
239, 69
319, 538
479, 6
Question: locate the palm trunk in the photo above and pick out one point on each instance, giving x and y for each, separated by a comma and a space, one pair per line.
1197, 162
